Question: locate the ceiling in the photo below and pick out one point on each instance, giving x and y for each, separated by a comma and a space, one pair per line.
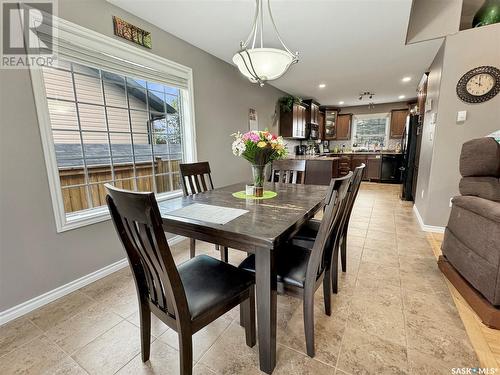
351, 46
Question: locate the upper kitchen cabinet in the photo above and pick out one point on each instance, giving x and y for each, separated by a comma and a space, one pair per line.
293, 123
330, 132
312, 111
398, 122
321, 123
344, 122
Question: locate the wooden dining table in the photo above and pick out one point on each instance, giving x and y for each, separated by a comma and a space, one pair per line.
268, 224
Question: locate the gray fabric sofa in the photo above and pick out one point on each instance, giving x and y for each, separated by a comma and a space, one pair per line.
472, 237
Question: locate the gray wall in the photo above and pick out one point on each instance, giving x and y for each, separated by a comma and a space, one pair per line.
34, 258
431, 19
427, 145
462, 52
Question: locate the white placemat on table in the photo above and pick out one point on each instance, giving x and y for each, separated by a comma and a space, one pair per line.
208, 213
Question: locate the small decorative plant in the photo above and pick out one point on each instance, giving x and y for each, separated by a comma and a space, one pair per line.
259, 148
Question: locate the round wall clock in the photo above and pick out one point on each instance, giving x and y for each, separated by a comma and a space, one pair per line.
479, 85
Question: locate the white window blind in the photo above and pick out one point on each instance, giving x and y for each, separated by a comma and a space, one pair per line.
370, 130
78, 48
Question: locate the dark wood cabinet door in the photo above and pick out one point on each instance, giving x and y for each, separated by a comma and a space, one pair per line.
314, 113
301, 122
330, 124
373, 167
344, 126
293, 123
295, 117
344, 165
321, 123
398, 122
311, 111
286, 125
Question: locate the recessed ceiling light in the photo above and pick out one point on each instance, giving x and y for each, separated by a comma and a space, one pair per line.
401, 97
341, 102
321, 85
406, 79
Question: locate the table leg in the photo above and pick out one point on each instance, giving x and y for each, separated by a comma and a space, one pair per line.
265, 278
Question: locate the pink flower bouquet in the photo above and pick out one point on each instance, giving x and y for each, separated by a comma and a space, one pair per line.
259, 148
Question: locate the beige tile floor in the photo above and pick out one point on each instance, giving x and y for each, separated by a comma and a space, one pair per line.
393, 315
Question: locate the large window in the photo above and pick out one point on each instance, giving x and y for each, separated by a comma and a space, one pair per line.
108, 128
111, 121
371, 130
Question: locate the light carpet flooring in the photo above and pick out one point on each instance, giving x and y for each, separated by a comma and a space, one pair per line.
393, 314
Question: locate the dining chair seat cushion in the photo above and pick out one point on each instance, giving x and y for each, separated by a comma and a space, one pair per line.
291, 264
208, 282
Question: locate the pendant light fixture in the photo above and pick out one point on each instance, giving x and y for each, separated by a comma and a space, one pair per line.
261, 64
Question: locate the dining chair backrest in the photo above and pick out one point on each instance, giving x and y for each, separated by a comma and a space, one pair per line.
196, 178
289, 171
341, 185
137, 220
352, 192
328, 229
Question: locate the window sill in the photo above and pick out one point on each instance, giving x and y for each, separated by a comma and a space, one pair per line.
100, 214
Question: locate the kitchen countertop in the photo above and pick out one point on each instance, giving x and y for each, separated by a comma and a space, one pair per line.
366, 153
313, 157
334, 156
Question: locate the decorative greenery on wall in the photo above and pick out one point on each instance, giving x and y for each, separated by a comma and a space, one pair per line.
286, 102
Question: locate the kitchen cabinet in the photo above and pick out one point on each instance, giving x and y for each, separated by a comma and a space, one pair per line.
373, 167
312, 111
321, 123
330, 124
320, 170
344, 127
344, 165
293, 123
398, 122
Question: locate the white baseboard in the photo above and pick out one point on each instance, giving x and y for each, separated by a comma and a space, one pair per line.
41, 300
425, 227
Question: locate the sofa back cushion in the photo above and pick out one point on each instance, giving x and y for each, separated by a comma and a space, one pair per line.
483, 187
480, 158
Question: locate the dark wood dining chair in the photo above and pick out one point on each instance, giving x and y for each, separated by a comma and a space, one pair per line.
288, 171
186, 298
197, 178
307, 235
301, 271
352, 195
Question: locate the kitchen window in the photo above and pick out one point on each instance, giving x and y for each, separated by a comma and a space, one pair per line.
371, 130
117, 121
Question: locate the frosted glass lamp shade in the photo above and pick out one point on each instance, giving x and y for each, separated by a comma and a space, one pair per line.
268, 63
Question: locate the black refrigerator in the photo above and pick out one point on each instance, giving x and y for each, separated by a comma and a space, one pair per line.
409, 150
